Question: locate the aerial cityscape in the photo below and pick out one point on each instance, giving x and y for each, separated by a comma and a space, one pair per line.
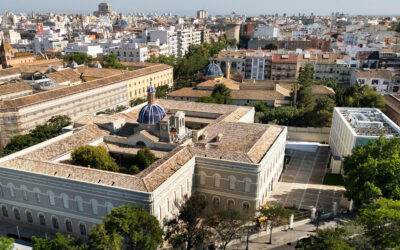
207, 125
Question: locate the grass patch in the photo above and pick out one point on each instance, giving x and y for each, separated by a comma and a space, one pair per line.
333, 180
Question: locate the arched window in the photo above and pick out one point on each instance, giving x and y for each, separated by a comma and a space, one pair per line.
54, 220
159, 212
68, 226
65, 200
202, 197
109, 207
216, 202
12, 190
79, 203
37, 194
51, 198
231, 204
217, 179
247, 183
232, 181
246, 207
16, 214
4, 210
94, 206
42, 220
24, 193
29, 217
82, 228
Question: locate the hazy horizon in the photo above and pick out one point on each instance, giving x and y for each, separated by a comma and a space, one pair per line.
222, 7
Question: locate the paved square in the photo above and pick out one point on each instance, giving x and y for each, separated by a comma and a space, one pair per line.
301, 183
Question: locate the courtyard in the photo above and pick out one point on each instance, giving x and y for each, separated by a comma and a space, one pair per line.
301, 184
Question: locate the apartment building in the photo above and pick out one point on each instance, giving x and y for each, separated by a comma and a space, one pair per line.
284, 67
131, 52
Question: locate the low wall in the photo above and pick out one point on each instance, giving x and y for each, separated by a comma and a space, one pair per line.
309, 134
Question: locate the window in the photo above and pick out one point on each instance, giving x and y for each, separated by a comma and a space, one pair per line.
231, 182
68, 225
202, 177
94, 206
29, 217
1, 190
109, 207
65, 200
246, 207
24, 194
216, 202
54, 221
4, 210
247, 183
42, 220
16, 214
217, 178
231, 204
51, 198
37, 195
167, 206
12, 190
79, 204
82, 229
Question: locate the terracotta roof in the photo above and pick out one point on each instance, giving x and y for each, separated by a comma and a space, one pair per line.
262, 95
15, 87
189, 92
380, 73
290, 59
321, 90
32, 67
210, 84
66, 75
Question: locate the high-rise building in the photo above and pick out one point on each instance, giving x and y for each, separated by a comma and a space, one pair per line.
202, 14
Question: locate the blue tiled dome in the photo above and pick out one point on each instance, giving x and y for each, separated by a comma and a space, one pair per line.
151, 114
151, 89
213, 70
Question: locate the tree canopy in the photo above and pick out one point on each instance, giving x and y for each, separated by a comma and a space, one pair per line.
95, 157
329, 239
358, 96
111, 61
79, 58
127, 227
6, 243
143, 159
59, 242
185, 229
271, 46
373, 171
381, 222
276, 214
220, 95
41, 133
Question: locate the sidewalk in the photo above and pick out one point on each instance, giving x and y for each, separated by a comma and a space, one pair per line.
281, 239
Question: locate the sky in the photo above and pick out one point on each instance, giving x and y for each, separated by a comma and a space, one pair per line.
189, 7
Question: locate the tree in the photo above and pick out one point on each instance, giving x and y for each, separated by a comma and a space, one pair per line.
60, 242
79, 58
19, 142
306, 75
272, 46
45, 132
144, 158
321, 116
227, 224
59, 121
6, 243
358, 96
161, 91
232, 43
373, 171
329, 239
305, 98
381, 222
127, 227
137, 101
186, 229
220, 95
111, 61
95, 157
331, 83
276, 214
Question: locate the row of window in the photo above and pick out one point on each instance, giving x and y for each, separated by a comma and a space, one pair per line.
42, 220
230, 204
231, 181
51, 199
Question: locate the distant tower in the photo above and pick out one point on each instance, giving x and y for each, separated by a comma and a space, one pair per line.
232, 31
202, 14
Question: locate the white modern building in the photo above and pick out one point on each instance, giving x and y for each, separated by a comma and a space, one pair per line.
267, 32
131, 52
187, 37
380, 79
78, 47
166, 36
353, 127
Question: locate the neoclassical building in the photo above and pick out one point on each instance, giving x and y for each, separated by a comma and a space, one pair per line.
214, 150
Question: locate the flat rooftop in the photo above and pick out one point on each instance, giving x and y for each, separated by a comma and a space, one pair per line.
369, 122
